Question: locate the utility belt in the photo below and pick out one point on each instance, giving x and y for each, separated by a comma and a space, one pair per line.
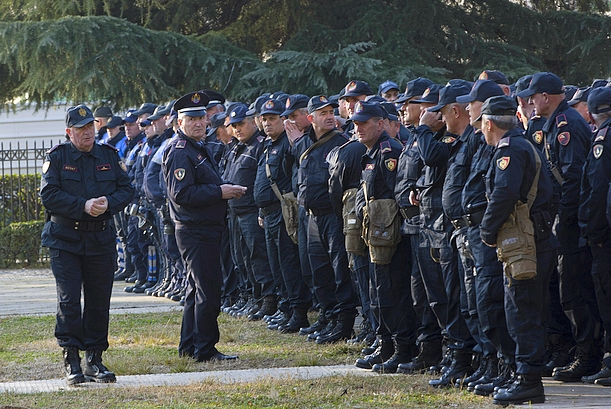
475, 213
272, 208
319, 212
459, 223
79, 224
409, 212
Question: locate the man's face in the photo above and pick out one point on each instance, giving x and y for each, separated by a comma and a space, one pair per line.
487, 133
391, 95
582, 108
369, 131
411, 112
224, 133
343, 109
541, 103
244, 129
272, 125
391, 128
142, 118
82, 138
149, 131
193, 126
100, 123
351, 102
475, 109
323, 120
132, 129
213, 110
300, 119
159, 125
112, 132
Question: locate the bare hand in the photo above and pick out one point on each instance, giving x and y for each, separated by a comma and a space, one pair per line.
261, 222
431, 119
292, 131
96, 206
232, 191
414, 198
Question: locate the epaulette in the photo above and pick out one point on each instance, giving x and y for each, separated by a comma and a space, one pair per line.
347, 143
561, 121
534, 117
181, 144
601, 134
385, 147
55, 147
260, 138
109, 146
504, 142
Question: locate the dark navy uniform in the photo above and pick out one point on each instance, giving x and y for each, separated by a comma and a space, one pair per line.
82, 247
509, 178
390, 282
198, 212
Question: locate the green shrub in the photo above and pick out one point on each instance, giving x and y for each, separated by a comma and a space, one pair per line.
20, 244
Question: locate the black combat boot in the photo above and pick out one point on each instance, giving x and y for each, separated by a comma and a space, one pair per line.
299, 319
587, 362
430, 354
527, 388
342, 331
318, 326
502, 380
368, 350
605, 372
268, 307
559, 347
95, 371
384, 351
490, 372
459, 368
403, 355
72, 365
331, 323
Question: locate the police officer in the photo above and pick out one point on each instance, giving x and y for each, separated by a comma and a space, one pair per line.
566, 142
198, 205
594, 190
509, 178
83, 185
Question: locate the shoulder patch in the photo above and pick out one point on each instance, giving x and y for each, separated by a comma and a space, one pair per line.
54, 148
370, 166
385, 147
564, 138
561, 121
179, 173
538, 137
600, 135
181, 144
391, 164
260, 138
503, 162
45, 167
597, 150
448, 139
504, 142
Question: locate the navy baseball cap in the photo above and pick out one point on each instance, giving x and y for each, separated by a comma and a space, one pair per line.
543, 82
318, 102
499, 105
78, 116
216, 122
294, 102
599, 83
216, 98
146, 108
599, 100
481, 91
448, 95
429, 96
114, 122
102, 112
391, 109
145, 123
238, 113
356, 88
523, 83
160, 112
494, 75
272, 106
414, 88
375, 99
130, 117
255, 107
387, 86
192, 104
364, 110
581, 95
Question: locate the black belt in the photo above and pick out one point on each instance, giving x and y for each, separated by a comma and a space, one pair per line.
274, 207
459, 224
475, 218
319, 212
79, 224
409, 212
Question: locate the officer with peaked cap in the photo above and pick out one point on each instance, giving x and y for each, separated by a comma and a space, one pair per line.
83, 185
198, 205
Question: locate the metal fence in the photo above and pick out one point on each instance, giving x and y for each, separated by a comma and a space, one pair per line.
21, 165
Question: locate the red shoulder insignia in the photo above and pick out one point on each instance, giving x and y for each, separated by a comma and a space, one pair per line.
260, 138
369, 166
391, 164
600, 135
385, 147
504, 142
503, 162
564, 138
538, 137
561, 121
181, 144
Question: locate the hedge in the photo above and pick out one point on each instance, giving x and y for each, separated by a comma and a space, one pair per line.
20, 245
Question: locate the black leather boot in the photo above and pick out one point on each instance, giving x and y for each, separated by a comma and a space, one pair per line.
559, 347
268, 307
299, 319
605, 372
368, 350
503, 379
403, 355
588, 360
527, 388
430, 354
384, 351
331, 323
342, 331
491, 371
72, 365
95, 371
459, 368
482, 363
319, 325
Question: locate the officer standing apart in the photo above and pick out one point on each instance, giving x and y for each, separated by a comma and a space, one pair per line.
198, 206
510, 177
83, 185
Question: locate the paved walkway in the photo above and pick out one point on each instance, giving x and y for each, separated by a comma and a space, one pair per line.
32, 292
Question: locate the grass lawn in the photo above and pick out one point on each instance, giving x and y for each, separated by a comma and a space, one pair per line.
147, 343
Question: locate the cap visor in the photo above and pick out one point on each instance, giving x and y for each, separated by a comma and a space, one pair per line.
526, 93
193, 112
465, 99
436, 108
83, 122
573, 102
211, 131
360, 118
